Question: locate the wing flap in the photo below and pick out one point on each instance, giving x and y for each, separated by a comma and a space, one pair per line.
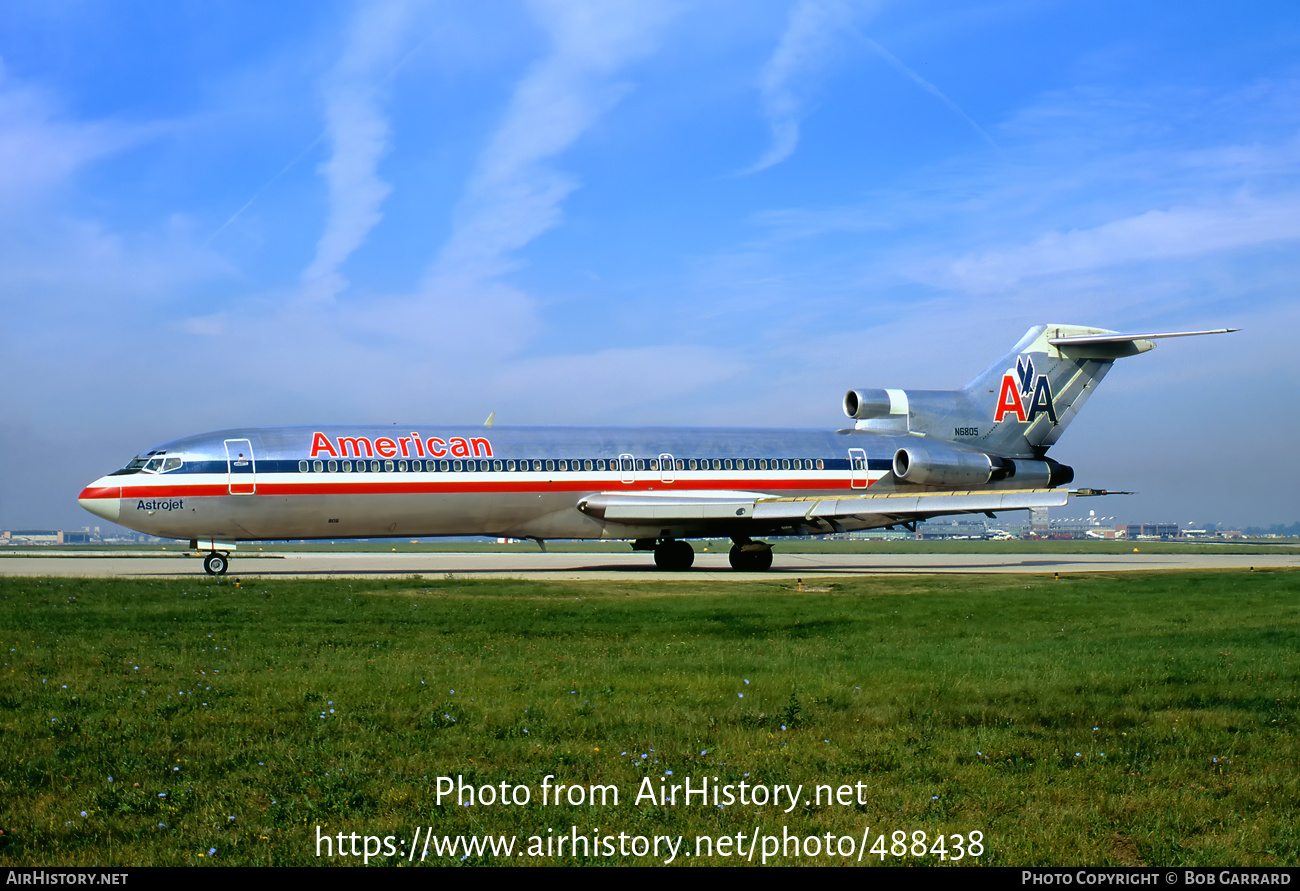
691, 507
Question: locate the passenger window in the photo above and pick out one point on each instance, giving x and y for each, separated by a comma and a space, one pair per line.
388, 466
302, 466
820, 465
401, 465
496, 465
374, 466
361, 467
333, 466
550, 465
347, 466
537, 465
444, 466
318, 466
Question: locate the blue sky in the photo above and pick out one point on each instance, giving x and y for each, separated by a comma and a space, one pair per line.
239, 214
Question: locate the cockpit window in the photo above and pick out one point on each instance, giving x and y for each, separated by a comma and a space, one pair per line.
171, 464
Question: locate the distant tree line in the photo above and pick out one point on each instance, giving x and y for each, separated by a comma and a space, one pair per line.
1275, 529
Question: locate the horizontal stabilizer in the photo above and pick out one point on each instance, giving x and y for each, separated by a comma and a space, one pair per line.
1129, 338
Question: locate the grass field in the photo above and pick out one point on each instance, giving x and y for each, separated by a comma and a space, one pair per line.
1134, 718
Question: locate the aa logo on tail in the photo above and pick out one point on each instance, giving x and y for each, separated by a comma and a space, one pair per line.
1025, 394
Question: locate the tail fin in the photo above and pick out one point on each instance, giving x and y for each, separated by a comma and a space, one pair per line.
1025, 400
1020, 405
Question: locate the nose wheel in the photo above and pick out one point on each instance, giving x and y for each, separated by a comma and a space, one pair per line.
216, 564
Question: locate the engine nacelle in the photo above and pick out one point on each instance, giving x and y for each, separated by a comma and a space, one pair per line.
934, 465
866, 404
1041, 474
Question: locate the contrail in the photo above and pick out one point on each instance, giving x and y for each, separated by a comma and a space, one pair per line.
929, 87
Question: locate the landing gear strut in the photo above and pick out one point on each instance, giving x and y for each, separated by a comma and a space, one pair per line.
750, 556
216, 564
673, 555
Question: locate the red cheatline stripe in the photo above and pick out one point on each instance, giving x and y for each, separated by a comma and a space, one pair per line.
464, 484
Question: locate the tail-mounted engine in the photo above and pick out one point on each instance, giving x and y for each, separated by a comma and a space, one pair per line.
932, 464
863, 405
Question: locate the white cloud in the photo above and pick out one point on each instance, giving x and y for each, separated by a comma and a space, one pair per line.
515, 195
812, 31
360, 136
41, 149
1152, 235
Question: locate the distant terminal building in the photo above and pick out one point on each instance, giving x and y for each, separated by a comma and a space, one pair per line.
1146, 530
43, 537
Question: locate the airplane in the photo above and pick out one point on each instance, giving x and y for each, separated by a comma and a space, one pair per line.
910, 455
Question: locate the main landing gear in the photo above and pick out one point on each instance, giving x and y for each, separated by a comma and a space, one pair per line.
216, 564
748, 555
674, 555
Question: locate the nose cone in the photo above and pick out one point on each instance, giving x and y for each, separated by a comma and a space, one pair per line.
102, 500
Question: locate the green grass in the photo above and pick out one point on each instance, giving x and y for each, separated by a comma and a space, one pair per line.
782, 545
1134, 718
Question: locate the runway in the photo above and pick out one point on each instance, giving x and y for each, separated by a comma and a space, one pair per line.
595, 566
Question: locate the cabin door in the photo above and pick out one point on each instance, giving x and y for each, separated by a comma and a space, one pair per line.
241, 469
858, 468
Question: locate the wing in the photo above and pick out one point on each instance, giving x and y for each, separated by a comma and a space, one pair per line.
689, 508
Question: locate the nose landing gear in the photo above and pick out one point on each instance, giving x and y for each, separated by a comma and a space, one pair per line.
216, 564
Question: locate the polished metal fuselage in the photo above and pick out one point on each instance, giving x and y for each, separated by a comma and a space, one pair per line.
290, 482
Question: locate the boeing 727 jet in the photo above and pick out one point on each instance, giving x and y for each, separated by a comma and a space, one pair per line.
908, 456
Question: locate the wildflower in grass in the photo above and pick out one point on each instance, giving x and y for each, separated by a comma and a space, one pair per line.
83, 813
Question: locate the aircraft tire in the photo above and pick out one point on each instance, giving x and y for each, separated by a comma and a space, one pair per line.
674, 556
751, 557
216, 564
